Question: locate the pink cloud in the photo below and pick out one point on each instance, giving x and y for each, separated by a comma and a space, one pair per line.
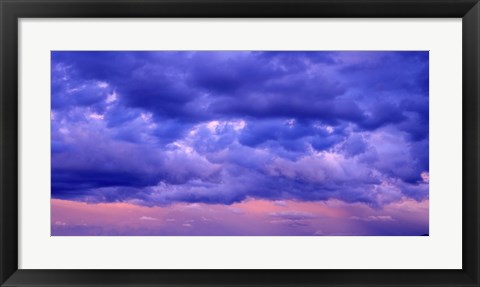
250, 217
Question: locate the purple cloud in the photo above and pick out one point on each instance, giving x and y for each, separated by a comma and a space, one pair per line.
156, 128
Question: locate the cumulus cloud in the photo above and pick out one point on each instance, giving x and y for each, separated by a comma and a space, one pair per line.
156, 128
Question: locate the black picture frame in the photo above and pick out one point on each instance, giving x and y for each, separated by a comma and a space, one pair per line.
12, 10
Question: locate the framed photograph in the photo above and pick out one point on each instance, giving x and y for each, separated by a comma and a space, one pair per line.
239, 143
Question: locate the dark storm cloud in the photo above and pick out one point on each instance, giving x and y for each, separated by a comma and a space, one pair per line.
219, 127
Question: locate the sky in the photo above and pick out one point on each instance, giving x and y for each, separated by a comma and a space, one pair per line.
245, 143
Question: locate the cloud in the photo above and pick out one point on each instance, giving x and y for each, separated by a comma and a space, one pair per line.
373, 218
298, 218
292, 218
148, 218
293, 215
157, 128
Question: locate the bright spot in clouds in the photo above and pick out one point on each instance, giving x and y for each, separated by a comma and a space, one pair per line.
96, 116
425, 176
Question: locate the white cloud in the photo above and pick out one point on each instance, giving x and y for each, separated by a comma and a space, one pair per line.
102, 85
96, 116
111, 98
148, 218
